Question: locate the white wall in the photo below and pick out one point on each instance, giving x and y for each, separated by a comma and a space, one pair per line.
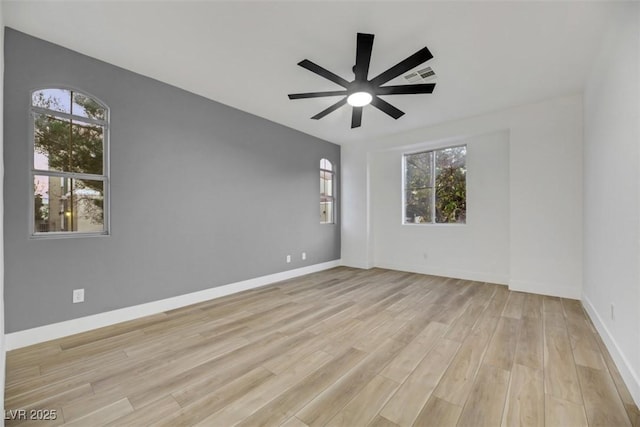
355, 216
478, 250
612, 193
545, 191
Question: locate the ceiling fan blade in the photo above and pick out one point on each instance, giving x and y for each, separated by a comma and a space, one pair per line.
356, 117
413, 61
363, 56
405, 89
316, 94
385, 107
330, 109
315, 68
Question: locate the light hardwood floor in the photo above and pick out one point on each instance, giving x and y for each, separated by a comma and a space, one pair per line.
343, 347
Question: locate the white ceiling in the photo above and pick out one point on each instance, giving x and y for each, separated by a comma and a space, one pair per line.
487, 55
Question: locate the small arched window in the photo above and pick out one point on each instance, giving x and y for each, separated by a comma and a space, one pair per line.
327, 200
70, 163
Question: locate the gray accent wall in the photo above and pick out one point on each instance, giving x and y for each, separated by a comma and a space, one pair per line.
202, 195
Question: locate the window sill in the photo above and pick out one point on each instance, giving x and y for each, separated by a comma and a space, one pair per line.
436, 224
65, 235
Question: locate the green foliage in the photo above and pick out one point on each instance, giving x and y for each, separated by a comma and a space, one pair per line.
419, 187
90, 106
449, 184
71, 146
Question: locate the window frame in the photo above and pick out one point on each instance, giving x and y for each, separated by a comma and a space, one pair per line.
106, 172
433, 198
333, 191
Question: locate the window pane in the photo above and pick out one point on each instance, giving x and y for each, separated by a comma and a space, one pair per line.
66, 204
69, 102
451, 185
325, 164
53, 99
418, 171
51, 151
419, 206
326, 183
326, 212
87, 107
87, 147
67, 145
418, 188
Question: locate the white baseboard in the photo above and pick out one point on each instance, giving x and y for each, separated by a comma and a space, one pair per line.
544, 289
445, 272
362, 264
69, 327
628, 373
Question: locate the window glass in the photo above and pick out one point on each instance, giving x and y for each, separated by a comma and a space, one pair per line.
69, 102
326, 212
68, 205
69, 162
326, 192
326, 164
435, 186
67, 145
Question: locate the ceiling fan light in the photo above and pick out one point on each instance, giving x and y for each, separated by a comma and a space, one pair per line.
359, 99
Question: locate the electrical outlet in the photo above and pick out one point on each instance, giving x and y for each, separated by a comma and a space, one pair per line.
78, 295
288, 259
304, 256
613, 312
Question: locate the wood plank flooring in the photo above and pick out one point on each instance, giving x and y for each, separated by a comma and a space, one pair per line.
343, 347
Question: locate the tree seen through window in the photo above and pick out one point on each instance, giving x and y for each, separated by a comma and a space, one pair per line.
435, 186
69, 176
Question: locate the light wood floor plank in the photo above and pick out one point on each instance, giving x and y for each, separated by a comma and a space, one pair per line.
291, 401
502, 347
525, 399
406, 403
215, 373
438, 413
197, 408
625, 395
330, 401
601, 400
104, 415
405, 362
293, 422
462, 326
560, 376
530, 347
562, 413
338, 347
515, 305
149, 415
264, 393
457, 382
20, 375
362, 409
381, 421
485, 404
585, 348
533, 306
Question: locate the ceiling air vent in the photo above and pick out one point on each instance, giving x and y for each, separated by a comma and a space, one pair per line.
420, 76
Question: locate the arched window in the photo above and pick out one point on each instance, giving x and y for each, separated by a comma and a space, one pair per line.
327, 201
70, 163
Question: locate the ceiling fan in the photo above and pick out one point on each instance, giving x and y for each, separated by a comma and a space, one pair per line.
362, 91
